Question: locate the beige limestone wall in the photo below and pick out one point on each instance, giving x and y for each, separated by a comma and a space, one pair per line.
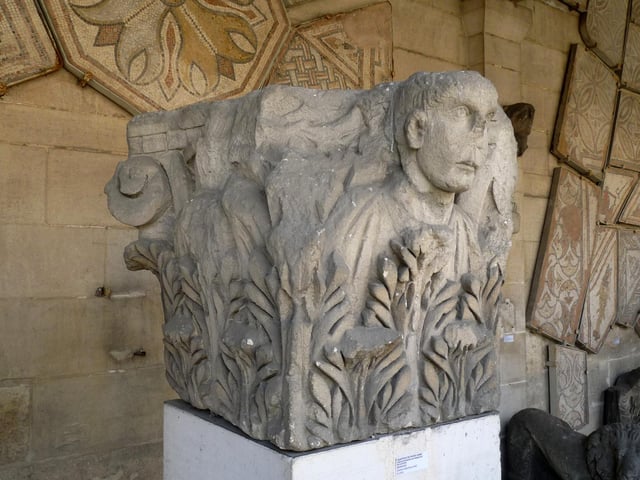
68, 408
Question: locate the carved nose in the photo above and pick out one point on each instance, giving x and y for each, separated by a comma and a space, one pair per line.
479, 124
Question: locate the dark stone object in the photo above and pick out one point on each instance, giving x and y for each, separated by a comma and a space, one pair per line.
521, 116
543, 447
622, 400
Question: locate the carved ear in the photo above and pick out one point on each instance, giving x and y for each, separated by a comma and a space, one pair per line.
416, 128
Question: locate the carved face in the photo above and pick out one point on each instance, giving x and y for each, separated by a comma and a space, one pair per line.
451, 139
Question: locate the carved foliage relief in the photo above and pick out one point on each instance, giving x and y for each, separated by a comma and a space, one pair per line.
562, 269
164, 54
26, 51
342, 51
586, 114
568, 385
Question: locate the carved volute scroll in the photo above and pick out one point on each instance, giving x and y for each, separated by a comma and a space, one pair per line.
330, 261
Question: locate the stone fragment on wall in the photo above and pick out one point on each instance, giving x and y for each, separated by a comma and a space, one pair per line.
585, 115
348, 51
603, 27
600, 305
26, 50
562, 269
625, 150
617, 185
628, 278
568, 390
162, 55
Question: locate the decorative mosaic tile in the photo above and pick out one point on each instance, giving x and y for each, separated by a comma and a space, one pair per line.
600, 306
602, 28
562, 270
631, 67
625, 151
585, 114
617, 185
631, 212
635, 12
628, 277
568, 387
150, 55
351, 50
26, 50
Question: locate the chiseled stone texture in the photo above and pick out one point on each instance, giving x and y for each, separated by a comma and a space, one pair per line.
322, 279
15, 417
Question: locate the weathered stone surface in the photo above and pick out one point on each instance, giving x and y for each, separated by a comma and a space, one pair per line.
603, 29
600, 304
136, 462
15, 427
630, 213
624, 149
562, 270
616, 187
628, 277
585, 115
330, 261
568, 385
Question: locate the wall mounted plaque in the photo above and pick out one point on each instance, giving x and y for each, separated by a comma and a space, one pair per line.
568, 388
602, 28
625, 150
617, 185
628, 277
26, 50
585, 115
151, 55
352, 50
562, 269
631, 67
600, 307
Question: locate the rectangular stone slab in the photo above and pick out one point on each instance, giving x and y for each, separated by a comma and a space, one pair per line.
628, 277
625, 151
616, 187
631, 67
585, 115
600, 306
631, 212
603, 28
568, 389
562, 269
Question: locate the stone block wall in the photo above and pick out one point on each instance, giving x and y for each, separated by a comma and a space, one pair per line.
74, 403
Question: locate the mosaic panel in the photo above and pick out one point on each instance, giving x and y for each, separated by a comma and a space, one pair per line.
580, 5
342, 51
586, 110
631, 212
628, 277
26, 51
617, 185
635, 11
602, 28
600, 306
625, 151
150, 55
631, 67
568, 388
562, 269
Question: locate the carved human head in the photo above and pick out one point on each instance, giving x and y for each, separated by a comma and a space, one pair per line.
441, 127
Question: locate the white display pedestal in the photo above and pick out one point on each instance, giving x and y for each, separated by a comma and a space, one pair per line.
198, 446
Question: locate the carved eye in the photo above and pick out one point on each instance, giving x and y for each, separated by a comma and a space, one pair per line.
491, 116
462, 111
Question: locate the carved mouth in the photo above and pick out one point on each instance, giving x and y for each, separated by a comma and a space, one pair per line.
468, 165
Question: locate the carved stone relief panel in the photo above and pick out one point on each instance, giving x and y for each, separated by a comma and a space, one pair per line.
617, 185
628, 278
568, 390
600, 307
351, 50
26, 50
585, 116
625, 151
562, 269
631, 67
162, 55
603, 28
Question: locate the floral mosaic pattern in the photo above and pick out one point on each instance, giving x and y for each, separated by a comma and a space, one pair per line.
162, 54
603, 29
568, 385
